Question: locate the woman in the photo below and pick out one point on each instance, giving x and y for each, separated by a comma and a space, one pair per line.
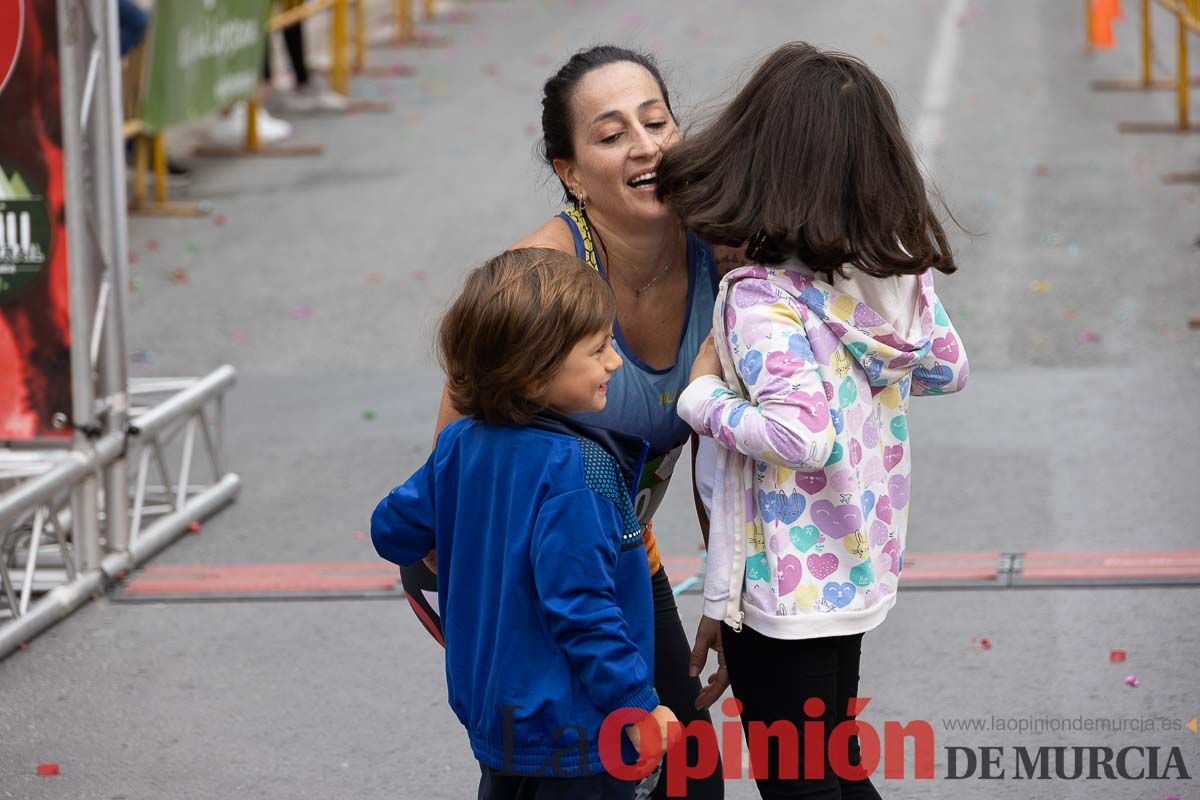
606, 121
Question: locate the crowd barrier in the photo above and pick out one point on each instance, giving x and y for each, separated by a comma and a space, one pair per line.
1186, 13
348, 44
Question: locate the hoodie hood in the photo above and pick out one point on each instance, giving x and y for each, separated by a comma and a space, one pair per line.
886, 324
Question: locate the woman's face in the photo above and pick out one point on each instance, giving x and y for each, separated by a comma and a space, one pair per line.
620, 128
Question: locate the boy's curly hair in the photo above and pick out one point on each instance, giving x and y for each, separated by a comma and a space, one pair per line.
516, 320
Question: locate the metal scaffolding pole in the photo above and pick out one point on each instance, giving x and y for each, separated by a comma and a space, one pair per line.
77, 71
110, 205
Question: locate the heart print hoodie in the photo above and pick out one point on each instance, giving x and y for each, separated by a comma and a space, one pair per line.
811, 492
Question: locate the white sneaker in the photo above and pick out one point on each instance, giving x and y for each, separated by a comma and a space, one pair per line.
310, 99
230, 130
326, 100
272, 130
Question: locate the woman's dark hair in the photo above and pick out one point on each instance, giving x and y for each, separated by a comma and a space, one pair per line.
809, 160
559, 91
514, 323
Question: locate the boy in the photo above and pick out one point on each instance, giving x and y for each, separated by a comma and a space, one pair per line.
543, 584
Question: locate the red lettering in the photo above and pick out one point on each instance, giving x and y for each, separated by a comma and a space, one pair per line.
649, 751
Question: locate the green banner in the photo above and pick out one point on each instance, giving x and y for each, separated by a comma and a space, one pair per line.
204, 55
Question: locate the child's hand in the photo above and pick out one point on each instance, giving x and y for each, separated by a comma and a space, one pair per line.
707, 361
708, 637
430, 560
663, 716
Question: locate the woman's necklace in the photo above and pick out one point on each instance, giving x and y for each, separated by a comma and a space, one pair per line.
637, 292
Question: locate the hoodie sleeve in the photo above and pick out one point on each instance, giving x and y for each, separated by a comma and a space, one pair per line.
944, 368
786, 420
575, 549
402, 525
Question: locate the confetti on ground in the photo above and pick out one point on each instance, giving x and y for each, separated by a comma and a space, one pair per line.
359, 535
192, 247
1041, 287
133, 258
239, 337
193, 527
1116, 656
152, 244
180, 277
982, 644
368, 415
220, 219
1132, 681
418, 275
492, 70
1042, 171
206, 206
47, 770
302, 312
135, 284
1073, 250
543, 60
1088, 337
142, 357
374, 277
531, 129
1071, 314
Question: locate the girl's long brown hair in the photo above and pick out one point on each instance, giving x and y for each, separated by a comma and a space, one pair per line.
810, 161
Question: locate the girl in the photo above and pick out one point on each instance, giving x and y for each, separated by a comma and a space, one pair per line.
819, 343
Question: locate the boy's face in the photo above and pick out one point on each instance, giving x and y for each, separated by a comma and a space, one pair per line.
581, 383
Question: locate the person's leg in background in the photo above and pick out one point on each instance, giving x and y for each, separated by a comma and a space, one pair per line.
132, 20
676, 689
773, 678
306, 96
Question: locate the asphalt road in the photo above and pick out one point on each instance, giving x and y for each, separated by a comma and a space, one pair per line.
1078, 431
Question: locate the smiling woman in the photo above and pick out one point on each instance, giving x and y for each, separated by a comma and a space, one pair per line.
606, 122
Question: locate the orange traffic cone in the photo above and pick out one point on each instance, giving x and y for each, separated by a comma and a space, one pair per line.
1100, 24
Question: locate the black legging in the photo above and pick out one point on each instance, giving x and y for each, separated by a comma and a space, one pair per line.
676, 689
293, 40
773, 678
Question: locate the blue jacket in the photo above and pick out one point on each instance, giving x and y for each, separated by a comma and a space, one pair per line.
543, 584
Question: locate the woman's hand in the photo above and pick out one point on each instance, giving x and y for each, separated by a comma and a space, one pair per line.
708, 637
707, 361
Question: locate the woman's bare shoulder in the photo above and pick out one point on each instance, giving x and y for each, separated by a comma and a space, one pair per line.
554, 234
729, 258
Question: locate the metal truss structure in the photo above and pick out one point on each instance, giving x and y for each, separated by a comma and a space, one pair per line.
70, 524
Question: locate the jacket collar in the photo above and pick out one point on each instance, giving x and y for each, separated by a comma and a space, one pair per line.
627, 450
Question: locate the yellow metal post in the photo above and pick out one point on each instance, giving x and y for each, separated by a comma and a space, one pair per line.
1147, 46
403, 21
160, 168
141, 166
340, 74
1184, 80
252, 126
428, 10
360, 35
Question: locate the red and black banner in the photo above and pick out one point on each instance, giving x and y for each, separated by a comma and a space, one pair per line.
35, 337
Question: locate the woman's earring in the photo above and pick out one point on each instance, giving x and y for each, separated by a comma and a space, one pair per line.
580, 202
